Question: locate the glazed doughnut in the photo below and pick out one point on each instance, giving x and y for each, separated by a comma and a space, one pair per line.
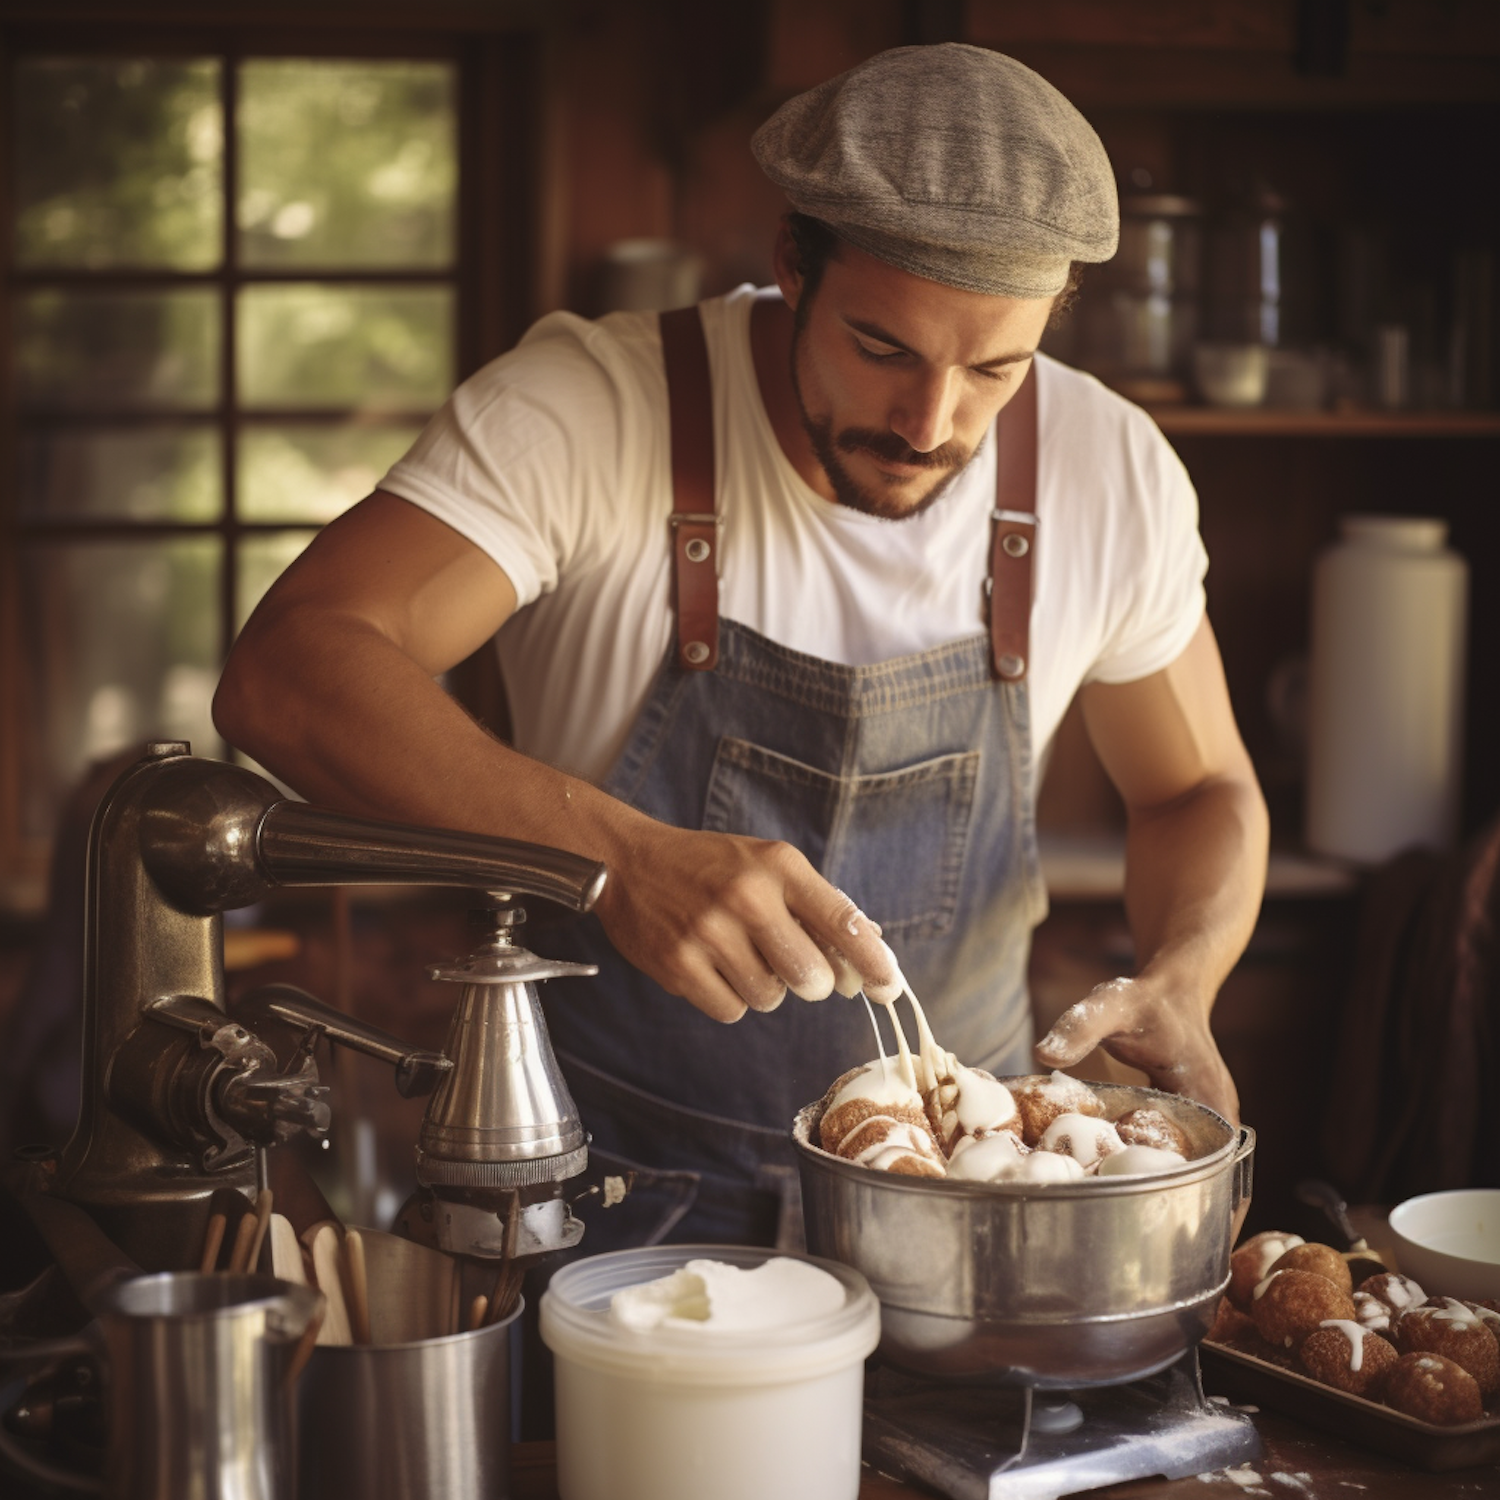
1138, 1161
1433, 1389
967, 1103
1396, 1291
1041, 1098
1252, 1260
1048, 1166
1456, 1332
1371, 1312
872, 1116
1086, 1138
1150, 1127
1288, 1305
1323, 1260
1349, 1357
1230, 1325
995, 1157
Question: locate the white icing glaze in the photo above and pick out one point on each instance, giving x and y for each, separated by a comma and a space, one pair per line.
1454, 1311
995, 1158
1139, 1161
1269, 1251
1262, 1284
981, 1102
1048, 1166
1355, 1333
880, 1084
1371, 1311
1402, 1291
1086, 1139
902, 1142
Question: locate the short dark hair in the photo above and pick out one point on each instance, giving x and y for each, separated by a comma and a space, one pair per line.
816, 243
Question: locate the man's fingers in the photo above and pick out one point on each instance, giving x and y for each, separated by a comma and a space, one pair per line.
846, 978
799, 961
835, 922
1086, 1025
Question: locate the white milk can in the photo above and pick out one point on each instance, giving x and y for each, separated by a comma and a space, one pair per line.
1385, 689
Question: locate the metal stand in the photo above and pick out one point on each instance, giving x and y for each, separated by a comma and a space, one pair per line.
999, 1443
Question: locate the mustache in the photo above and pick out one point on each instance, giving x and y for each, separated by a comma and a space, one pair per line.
896, 450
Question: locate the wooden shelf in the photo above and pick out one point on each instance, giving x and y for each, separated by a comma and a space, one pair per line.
1213, 421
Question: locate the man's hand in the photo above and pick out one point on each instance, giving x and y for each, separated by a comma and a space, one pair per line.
731, 923
1166, 1036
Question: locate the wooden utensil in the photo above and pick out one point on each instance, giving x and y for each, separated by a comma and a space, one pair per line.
323, 1240
286, 1250
211, 1241
303, 1352
244, 1237
359, 1285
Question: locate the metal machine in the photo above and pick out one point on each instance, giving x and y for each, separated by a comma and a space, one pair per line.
179, 1096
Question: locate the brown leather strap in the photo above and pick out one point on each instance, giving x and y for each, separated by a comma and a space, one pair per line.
695, 528
1013, 550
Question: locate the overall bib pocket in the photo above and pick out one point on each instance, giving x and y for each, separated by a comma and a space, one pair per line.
895, 841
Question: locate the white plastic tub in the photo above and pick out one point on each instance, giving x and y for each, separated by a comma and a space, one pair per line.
673, 1414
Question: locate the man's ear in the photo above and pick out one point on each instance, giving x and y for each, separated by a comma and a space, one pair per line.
784, 263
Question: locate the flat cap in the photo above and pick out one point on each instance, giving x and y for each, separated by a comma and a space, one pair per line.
952, 162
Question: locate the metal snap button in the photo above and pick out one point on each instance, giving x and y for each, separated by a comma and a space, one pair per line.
696, 550
696, 652
1011, 665
1015, 544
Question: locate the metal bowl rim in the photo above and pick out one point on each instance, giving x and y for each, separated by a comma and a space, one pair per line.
1237, 1143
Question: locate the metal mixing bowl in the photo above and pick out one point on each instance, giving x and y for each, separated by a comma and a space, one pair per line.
1059, 1286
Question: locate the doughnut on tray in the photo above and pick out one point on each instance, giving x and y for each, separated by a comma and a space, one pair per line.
1244, 1377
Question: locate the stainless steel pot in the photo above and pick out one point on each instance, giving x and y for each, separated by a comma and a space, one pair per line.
1058, 1286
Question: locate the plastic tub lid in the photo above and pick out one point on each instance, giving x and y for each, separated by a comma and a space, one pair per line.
575, 1323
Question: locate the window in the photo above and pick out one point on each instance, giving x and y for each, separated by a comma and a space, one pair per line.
240, 279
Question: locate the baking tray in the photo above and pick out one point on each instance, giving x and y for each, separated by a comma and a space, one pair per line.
1242, 1377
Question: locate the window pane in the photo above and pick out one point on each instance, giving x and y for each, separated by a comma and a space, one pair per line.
346, 163
118, 163
167, 473
121, 643
314, 471
106, 351
261, 560
361, 347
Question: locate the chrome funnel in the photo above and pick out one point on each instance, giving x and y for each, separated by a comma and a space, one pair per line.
501, 1124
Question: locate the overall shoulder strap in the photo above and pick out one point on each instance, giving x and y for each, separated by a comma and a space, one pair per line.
1013, 550
695, 528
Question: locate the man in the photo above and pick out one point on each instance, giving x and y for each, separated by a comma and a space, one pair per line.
810, 692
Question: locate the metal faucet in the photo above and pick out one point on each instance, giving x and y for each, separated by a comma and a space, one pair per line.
178, 1095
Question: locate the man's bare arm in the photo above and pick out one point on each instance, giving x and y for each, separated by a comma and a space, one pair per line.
1196, 851
332, 687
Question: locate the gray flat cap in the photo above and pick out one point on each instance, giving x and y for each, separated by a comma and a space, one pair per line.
952, 162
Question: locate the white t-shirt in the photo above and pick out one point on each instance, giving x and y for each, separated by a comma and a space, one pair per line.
554, 460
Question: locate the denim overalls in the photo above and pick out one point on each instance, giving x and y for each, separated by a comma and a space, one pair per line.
907, 785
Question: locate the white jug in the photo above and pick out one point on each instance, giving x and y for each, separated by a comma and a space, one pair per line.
1385, 689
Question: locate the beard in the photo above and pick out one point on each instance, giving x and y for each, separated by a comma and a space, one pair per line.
892, 501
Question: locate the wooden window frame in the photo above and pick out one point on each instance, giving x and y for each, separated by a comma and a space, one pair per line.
508, 263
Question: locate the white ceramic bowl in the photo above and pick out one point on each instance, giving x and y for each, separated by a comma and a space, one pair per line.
1450, 1242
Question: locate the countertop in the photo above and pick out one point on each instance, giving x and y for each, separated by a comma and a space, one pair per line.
1297, 1464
